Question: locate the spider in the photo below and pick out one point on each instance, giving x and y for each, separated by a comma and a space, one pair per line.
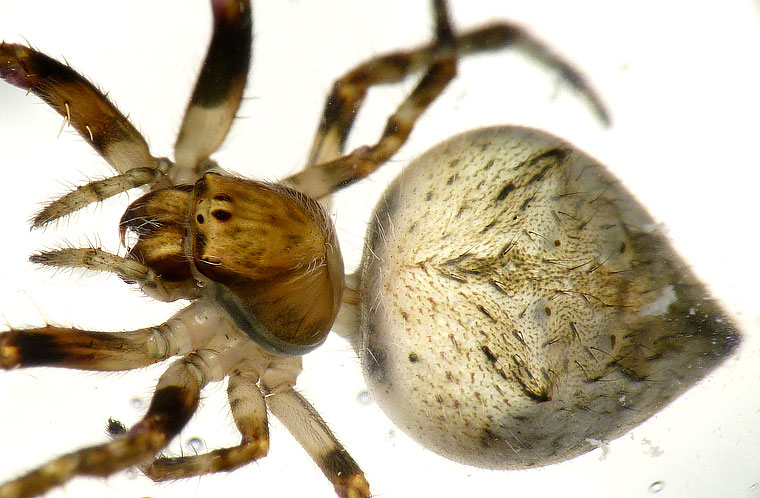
222, 214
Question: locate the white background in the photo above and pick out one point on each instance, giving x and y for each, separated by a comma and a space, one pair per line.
680, 78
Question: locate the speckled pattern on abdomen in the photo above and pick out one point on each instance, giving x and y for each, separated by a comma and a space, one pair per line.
555, 314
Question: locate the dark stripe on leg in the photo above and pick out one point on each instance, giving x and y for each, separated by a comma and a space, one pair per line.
220, 85
344, 472
307, 426
81, 104
325, 178
82, 349
173, 404
250, 414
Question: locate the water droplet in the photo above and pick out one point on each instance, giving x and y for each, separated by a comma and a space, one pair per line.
364, 397
196, 444
656, 486
136, 403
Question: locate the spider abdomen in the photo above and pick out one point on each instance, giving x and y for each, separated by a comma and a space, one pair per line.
556, 312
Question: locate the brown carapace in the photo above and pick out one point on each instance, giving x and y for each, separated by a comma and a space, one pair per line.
273, 248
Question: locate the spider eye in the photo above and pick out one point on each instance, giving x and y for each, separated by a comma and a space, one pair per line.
200, 218
220, 215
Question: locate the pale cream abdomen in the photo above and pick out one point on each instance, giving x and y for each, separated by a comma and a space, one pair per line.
519, 305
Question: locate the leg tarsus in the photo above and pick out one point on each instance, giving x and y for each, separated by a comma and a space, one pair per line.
128, 269
174, 402
307, 426
95, 191
223, 459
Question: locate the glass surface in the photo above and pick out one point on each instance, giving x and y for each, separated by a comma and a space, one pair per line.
680, 80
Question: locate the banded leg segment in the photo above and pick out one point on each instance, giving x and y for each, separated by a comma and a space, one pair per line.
107, 351
307, 426
128, 269
95, 191
174, 402
348, 94
81, 104
82, 349
325, 178
218, 91
250, 414
349, 91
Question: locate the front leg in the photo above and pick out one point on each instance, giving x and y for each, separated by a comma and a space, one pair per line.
65, 347
80, 104
218, 90
175, 400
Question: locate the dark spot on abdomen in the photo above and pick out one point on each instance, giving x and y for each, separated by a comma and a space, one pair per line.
504, 192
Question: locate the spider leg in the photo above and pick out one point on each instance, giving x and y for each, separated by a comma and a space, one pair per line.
349, 91
95, 191
250, 414
106, 351
218, 91
127, 268
325, 178
307, 426
174, 402
96, 120
81, 104
82, 349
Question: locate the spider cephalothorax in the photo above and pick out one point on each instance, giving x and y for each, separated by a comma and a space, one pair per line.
274, 249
